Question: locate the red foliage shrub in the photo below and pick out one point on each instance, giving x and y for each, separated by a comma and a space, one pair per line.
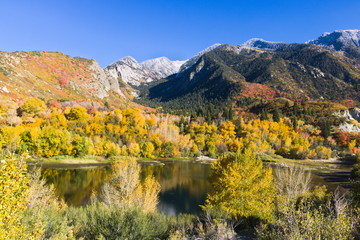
342, 138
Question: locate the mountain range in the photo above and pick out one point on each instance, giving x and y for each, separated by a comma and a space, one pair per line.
325, 68
318, 70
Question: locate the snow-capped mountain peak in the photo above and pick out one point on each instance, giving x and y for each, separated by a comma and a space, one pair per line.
252, 42
128, 60
135, 73
163, 65
338, 40
262, 44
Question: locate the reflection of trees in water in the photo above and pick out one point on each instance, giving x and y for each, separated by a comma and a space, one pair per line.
331, 180
184, 185
76, 185
190, 176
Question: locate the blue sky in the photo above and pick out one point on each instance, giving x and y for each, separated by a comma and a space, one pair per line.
109, 30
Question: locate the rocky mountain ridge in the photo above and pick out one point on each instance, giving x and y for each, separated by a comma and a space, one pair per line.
325, 68
135, 73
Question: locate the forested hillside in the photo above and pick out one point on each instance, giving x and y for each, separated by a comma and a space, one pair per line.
293, 131
294, 71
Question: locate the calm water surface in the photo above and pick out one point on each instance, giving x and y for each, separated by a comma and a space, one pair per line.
184, 184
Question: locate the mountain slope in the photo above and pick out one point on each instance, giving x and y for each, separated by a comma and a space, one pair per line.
294, 71
135, 73
208, 80
195, 58
51, 75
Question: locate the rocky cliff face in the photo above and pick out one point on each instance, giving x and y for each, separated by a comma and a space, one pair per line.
135, 73
103, 81
352, 120
51, 75
355, 114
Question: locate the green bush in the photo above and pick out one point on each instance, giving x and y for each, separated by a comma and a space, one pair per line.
47, 223
95, 221
168, 149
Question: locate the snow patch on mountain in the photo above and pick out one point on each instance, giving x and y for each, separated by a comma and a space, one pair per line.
135, 73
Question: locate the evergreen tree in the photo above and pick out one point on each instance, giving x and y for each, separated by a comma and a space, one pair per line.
208, 118
295, 122
231, 113
264, 115
211, 109
326, 128
238, 127
296, 110
226, 114
276, 116
181, 124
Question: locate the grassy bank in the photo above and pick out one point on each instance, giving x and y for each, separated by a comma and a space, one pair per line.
94, 161
70, 162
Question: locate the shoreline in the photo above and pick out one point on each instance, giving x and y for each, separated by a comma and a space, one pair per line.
93, 162
320, 165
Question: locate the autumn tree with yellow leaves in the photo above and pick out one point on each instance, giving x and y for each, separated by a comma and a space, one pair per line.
13, 197
133, 132
33, 107
242, 187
